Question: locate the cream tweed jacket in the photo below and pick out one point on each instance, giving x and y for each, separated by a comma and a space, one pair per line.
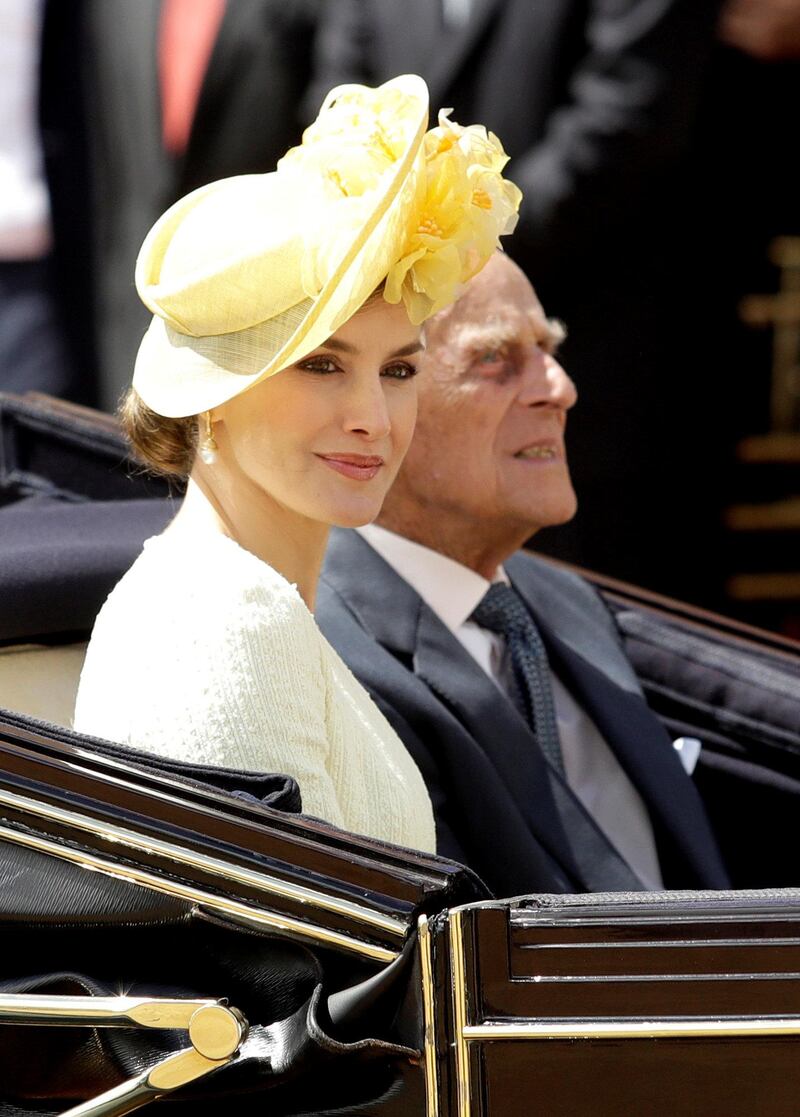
203, 652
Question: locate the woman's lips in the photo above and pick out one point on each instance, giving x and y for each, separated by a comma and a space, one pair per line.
359, 467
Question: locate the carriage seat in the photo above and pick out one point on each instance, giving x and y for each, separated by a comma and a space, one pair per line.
74, 511
58, 563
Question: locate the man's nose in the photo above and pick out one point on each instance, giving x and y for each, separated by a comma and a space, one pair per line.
366, 411
546, 384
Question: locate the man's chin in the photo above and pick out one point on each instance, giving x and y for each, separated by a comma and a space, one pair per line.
553, 513
568, 512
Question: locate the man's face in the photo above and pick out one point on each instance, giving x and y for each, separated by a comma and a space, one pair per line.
493, 402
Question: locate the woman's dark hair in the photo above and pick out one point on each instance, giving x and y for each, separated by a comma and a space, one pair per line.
165, 446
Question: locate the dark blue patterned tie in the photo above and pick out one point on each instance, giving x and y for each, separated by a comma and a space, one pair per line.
503, 611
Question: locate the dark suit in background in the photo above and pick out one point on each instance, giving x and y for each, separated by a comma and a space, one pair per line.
497, 808
63, 117
247, 115
46, 330
595, 101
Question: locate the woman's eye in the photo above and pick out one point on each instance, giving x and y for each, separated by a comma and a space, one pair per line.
490, 357
401, 370
322, 365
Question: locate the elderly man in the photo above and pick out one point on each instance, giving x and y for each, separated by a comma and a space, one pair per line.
503, 674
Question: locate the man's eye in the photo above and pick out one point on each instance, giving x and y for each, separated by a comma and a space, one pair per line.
401, 370
323, 365
491, 362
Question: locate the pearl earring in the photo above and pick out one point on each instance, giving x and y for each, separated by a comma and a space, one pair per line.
208, 447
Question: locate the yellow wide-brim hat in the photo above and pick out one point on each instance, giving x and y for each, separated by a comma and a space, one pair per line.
248, 275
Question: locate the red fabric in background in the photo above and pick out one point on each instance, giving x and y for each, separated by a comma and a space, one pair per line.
187, 33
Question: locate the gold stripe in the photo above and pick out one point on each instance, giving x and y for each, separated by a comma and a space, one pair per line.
109, 1012
459, 992
212, 865
429, 1018
174, 1071
695, 1027
661, 944
244, 912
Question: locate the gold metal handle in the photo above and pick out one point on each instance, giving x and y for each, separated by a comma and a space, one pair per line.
98, 1012
177, 1070
215, 1030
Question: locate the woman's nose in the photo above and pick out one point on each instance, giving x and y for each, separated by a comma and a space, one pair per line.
367, 412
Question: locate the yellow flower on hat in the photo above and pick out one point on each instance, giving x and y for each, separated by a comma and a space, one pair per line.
464, 206
468, 206
355, 140
345, 157
493, 213
478, 145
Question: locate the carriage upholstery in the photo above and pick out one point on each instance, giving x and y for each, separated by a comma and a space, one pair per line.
73, 514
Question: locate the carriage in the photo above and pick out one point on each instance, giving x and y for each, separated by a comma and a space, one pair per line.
185, 933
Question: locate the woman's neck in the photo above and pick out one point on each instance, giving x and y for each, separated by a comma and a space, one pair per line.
291, 544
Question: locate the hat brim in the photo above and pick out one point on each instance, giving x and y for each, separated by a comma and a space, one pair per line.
179, 375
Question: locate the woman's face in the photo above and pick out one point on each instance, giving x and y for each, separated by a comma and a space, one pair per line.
325, 437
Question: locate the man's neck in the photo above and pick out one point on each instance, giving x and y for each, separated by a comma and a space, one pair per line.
449, 588
477, 549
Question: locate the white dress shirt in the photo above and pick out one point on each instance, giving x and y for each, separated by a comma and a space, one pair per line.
593, 773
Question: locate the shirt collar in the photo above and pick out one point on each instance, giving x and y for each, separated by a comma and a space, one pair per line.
451, 590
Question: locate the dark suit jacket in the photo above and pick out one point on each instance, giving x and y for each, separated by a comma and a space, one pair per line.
247, 116
62, 123
495, 802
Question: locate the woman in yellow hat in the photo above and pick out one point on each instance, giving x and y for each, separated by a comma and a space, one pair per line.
322, 271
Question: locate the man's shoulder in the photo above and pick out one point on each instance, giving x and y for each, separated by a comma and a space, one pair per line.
382, 669
573, 610
336, 618
541, 575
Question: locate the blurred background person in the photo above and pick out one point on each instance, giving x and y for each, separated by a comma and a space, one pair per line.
182, 92
45, 326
